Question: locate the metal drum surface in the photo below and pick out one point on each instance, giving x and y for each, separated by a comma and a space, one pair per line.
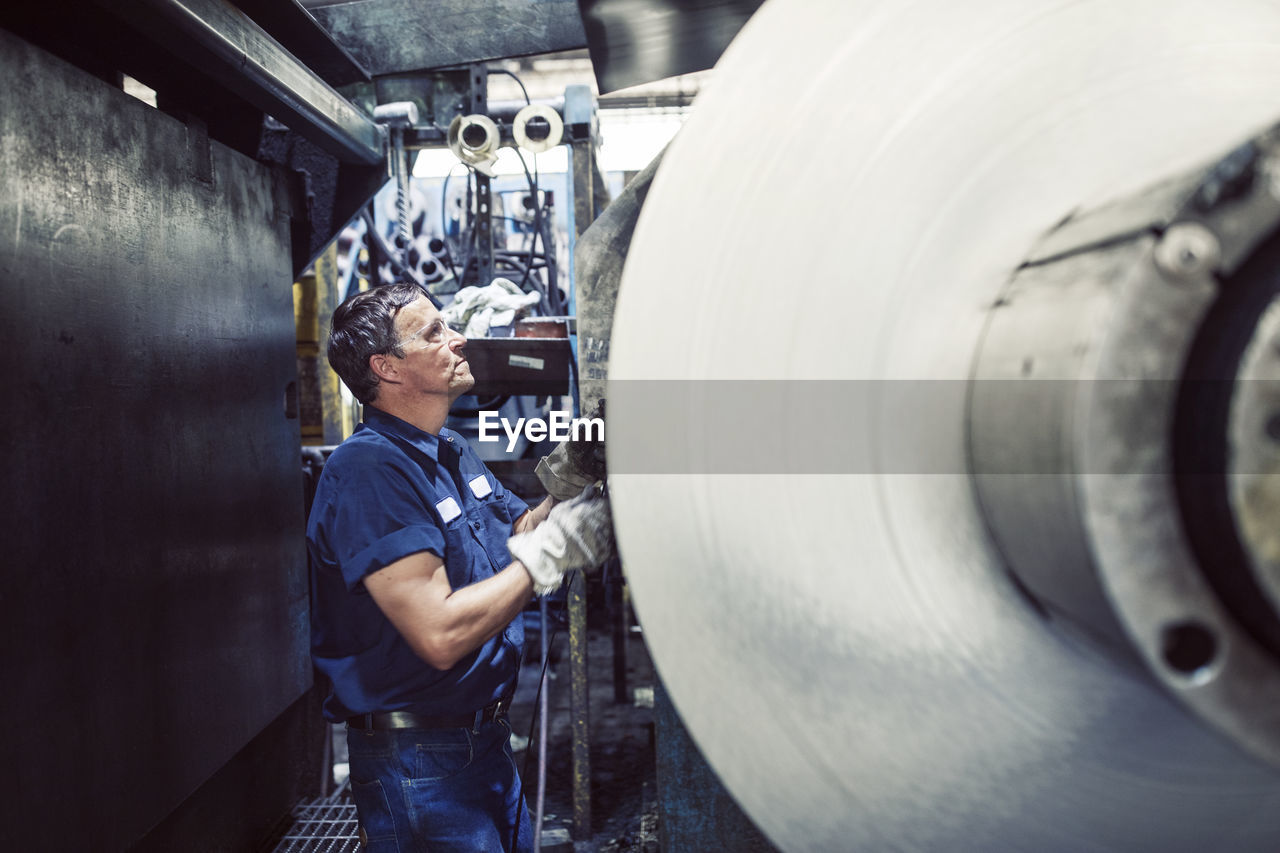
816, 579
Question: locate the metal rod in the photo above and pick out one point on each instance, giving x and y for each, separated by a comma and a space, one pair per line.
246, 59
580, 187
579, 700
618, 608
543, 707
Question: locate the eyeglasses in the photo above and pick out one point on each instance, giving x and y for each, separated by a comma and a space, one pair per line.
436, 333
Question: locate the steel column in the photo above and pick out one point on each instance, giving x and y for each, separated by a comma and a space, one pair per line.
581, 160
479, 105
580, 704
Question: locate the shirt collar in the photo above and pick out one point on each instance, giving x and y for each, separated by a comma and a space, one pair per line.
386, 424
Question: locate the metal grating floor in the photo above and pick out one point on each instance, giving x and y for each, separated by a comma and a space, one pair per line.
323, 825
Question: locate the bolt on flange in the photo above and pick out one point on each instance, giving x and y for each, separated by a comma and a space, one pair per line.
1187, 250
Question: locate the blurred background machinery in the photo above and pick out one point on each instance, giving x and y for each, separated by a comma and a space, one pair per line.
168, 169
941, 421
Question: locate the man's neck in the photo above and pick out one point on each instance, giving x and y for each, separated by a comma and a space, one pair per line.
427, 416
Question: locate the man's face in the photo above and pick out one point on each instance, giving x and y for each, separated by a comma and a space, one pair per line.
433, 355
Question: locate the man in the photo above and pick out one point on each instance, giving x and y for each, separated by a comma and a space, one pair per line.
415, 595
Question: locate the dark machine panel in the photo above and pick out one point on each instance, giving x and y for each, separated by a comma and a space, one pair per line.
519, 365
155, 609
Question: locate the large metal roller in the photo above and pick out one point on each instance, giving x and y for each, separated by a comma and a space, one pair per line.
943, 430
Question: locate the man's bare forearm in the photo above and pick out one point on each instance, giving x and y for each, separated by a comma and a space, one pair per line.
535, 516
469, 617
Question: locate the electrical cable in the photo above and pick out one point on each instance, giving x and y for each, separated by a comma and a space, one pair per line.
513, 76
553, 285
549, 296
542, 680
384, 248
378, 241
444, 219
540, 711
537, 226
471, 245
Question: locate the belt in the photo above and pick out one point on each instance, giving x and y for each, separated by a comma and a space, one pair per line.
383, 720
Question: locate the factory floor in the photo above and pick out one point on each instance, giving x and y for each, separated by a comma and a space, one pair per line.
623, 787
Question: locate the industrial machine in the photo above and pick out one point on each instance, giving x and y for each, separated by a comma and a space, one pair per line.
942, 430
966, 504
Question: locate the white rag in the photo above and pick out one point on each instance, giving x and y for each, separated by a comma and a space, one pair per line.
475, 309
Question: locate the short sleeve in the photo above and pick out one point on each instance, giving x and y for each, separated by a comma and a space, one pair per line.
372, 517
515, 506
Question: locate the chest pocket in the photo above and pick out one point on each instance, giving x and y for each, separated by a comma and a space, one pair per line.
464, 562
489, 518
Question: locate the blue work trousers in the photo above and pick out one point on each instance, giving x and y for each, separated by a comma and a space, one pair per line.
439, 790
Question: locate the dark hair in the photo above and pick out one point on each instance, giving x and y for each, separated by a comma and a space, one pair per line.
363, 326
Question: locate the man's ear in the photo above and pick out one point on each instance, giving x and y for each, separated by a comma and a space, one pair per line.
385, 367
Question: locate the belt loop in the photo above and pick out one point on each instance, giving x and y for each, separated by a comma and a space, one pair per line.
368, 724
479, 718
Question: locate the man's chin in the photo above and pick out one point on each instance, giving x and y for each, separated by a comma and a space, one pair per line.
463, 382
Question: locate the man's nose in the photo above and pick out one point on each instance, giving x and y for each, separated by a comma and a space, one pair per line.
458, 341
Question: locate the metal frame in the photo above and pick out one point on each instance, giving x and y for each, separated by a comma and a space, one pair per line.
225, 43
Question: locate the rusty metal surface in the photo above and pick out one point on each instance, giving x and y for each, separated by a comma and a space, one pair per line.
155, 613
598, 259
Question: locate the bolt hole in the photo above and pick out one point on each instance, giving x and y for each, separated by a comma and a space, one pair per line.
473, 136
1188, 647
537, 129
1273, 427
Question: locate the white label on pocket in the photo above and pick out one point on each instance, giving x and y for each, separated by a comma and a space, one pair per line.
525, 361
480, 487
448, 509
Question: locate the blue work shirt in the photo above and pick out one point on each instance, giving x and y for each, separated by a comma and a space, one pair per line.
391, 490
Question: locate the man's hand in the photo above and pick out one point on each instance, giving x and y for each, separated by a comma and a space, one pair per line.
572, 466
578, 534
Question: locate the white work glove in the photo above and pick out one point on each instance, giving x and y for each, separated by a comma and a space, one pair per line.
577, 534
